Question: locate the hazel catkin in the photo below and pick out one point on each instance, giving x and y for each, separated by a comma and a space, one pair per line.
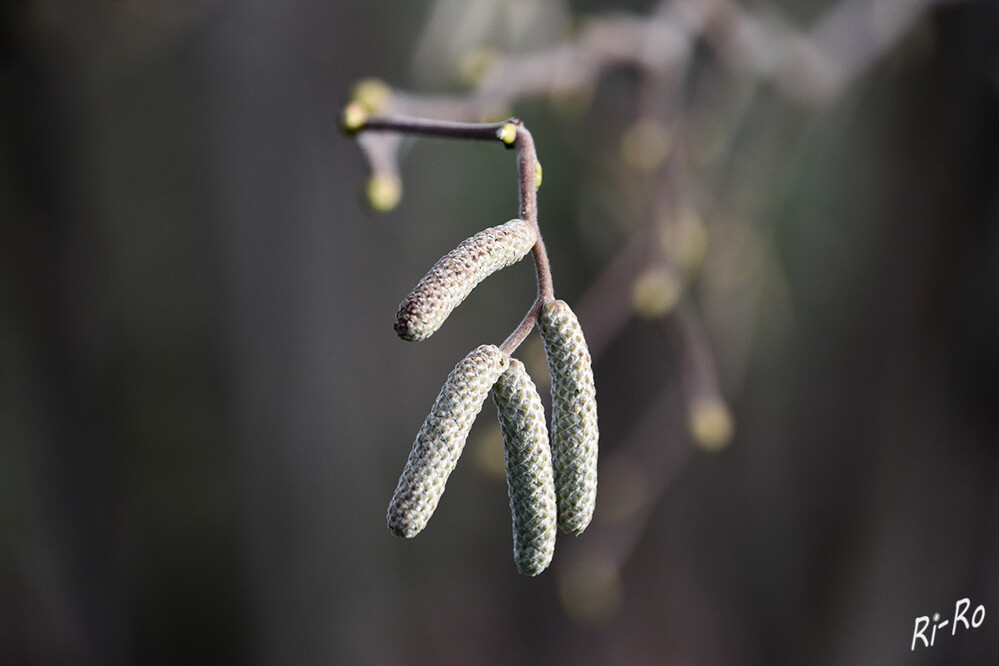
442, 438
574, 431
528, 469
455, 274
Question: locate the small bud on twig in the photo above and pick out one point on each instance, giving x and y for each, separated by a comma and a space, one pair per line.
384, 191
372, 94
507, 134
354, 117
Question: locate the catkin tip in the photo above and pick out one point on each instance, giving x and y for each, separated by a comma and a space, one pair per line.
400, 529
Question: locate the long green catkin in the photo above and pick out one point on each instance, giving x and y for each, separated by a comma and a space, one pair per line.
528, 469
574, 416
455, 274
442, 438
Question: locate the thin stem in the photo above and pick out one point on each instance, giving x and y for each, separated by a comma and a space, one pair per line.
381, 151
526, 326
527, 161
527, 164
448, 129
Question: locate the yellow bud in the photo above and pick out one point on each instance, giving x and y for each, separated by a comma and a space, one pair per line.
537, 175
507, 134
384, 191
354, 117
655, 293
711, 423
645, 145
372, 94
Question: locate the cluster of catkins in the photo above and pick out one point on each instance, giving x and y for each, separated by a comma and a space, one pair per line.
550, 483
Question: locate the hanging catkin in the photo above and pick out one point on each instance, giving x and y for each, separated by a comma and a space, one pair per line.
528, 469
442, 438
455, 274
574, 416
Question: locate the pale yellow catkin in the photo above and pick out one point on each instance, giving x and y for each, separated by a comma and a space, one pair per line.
528, 469
574, 429
455, 274
442, 438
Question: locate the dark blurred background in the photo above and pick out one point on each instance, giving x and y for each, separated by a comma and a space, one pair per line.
204, 409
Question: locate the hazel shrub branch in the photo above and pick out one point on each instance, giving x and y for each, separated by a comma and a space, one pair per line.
691, 227
549, 484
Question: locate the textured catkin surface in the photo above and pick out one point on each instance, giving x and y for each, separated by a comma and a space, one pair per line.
574, 416
528, 469
442, 438
455, 274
